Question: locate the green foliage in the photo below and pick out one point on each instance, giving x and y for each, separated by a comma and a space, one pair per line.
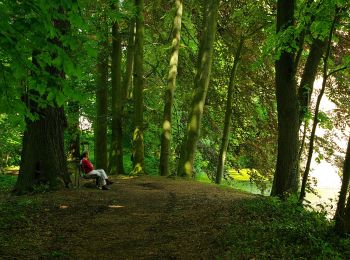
281, 229
7, 182
324, 120
11, 128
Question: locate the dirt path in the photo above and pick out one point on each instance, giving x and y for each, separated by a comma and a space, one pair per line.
139, 218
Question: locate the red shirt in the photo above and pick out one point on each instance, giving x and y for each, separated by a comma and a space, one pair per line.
87, 165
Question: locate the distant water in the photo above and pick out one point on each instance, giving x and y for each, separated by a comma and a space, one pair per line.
328, 187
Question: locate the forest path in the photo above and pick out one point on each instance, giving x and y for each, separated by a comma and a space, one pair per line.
139, 218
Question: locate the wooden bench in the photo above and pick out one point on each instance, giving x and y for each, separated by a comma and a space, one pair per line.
81, 174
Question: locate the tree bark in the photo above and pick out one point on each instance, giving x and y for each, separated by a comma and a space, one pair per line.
228, 115
116, 165
317, 108
201, 84
138, 141
73, 130
130, 53
169, 93
101, 106
286, 177
342, 222
309, 76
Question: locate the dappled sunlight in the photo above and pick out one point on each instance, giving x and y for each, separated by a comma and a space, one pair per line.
115, 206
63, 207
167, 128
137, 134
125, 177
193, 124
137, 169
188, 168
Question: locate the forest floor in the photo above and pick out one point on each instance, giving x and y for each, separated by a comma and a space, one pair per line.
141, 217
160, 218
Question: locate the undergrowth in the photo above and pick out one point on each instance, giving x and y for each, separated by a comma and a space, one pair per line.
268, 228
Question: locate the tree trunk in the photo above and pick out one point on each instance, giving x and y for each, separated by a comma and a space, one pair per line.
43, 159
286, 177
169, 94
228, 115
101, 107
127, 81
116, 150
201, 83
342, 224
308, 77
317, 108
73, 130
138, 142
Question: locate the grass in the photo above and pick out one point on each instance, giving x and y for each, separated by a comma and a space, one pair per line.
7, 182
240, 181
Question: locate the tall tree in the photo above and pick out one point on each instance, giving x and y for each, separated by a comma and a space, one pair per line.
101, 158
342, 214
201, 83
43, 159
116, 149
309, 76
228, 115
325, 76
130, 52
306, 87
286, 176
138, 139
169, 94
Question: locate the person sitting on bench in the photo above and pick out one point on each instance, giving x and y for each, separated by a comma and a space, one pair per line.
88, 168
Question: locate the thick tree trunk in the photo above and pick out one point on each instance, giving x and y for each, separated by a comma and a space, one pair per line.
116, 165
286, 177
342, 223
43, 159
228, 115
169, 94
201, 84
130, 53
317, 108
101, 107
138, 142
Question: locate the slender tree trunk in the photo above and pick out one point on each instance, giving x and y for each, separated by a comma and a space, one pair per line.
73, 130
228, 115
201, 84
101, 106
302, 144
169, 94
127, 81
315, 119
309, 76
286, 177
138, 141
116, 150
340, 221
43, 159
